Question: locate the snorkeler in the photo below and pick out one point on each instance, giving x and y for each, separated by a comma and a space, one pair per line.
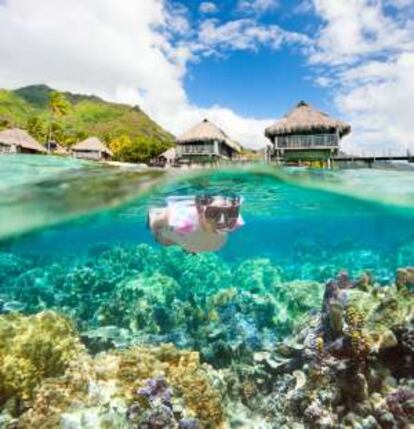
197, 224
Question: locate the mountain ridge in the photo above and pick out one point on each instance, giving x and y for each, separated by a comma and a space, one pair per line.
128, 128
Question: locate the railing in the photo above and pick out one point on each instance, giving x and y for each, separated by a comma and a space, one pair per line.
212, 149
306, 141
197, 149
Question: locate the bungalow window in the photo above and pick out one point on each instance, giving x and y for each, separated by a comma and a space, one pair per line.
197, 149
306, 141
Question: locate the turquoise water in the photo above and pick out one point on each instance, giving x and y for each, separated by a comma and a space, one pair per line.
351, 219
74, 239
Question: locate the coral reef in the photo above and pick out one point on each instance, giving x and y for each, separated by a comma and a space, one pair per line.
154, 296
159, 387
349, 367
33, 348
183, 370
165, 339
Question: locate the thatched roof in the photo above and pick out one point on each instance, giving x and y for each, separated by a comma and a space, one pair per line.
91, 144
306, 119
20, 138
234, 145
207, 131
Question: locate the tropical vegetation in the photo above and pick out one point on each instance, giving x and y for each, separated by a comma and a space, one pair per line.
67, 118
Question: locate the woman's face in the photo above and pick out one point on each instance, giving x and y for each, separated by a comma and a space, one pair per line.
222, 214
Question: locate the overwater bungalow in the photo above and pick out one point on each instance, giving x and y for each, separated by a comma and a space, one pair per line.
306, 134
15, 140
206, 143
93, 149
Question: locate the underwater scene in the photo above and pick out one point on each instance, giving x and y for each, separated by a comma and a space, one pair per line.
254, 297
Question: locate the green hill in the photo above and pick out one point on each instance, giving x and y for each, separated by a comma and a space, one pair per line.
130, 133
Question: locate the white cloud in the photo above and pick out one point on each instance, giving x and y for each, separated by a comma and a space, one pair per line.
257, 6
89, 46
399, 4
369, 53
122, 51
324, 81
208, 7
243, 34
379, 100
138, 52
354, 28
248, 131
303, 7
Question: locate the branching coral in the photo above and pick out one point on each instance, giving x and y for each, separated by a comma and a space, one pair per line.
359, 342
57, 395
33, 348
204, 274
258, 276
196, 386
138, 304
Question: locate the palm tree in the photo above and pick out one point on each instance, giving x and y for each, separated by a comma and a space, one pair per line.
59, 106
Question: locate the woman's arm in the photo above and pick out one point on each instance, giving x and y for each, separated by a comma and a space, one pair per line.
158, 220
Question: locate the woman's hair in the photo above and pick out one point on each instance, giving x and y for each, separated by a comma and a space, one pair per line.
207, 200
203, 200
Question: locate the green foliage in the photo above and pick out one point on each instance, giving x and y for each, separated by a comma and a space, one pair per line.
13, 109
37, 127
59, 105
4, 123
37, 96
139, 149
65, 135
119, 145
74, 117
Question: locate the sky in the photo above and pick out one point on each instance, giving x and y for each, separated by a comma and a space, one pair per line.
240, 63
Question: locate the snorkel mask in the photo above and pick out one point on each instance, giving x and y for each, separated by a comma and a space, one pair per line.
222, 212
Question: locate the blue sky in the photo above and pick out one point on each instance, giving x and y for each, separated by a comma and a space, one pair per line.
241, 63
353, 58
263, 82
